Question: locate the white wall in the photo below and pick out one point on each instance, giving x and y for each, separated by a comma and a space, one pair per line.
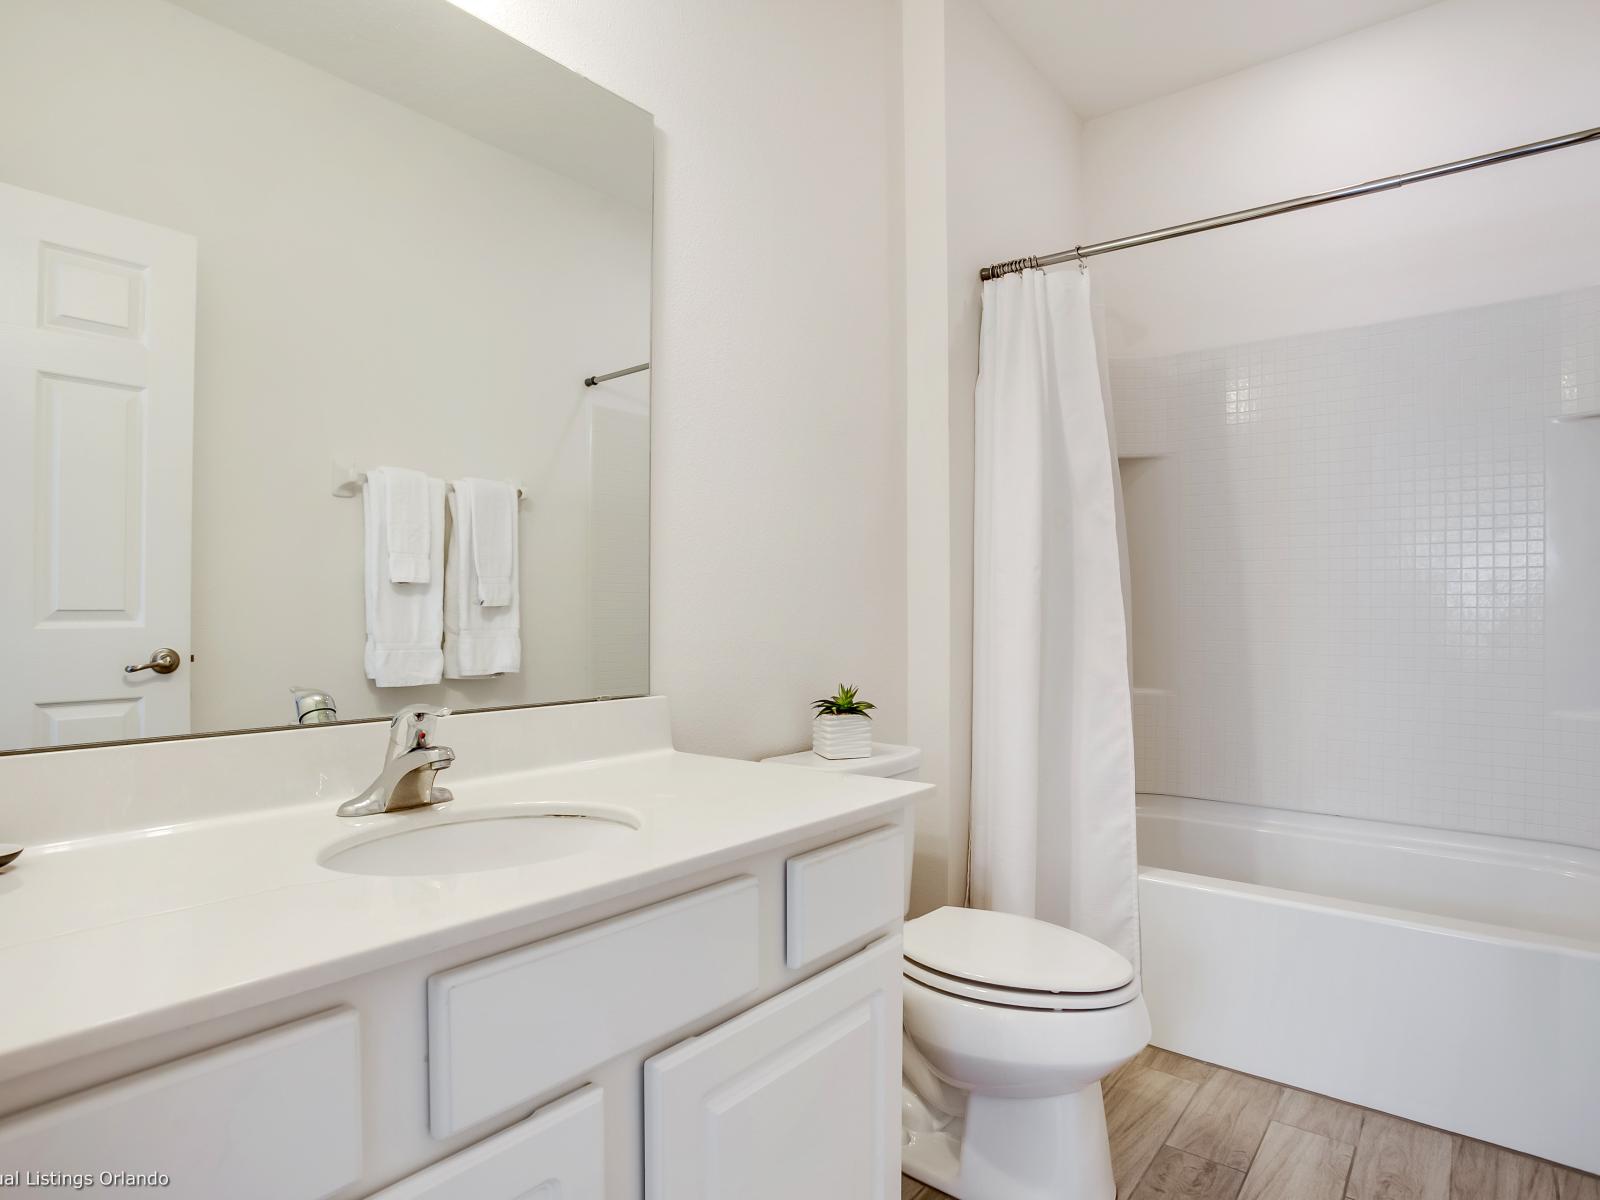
991, 173
778, 516
1448, 81
1302, 583
364, 296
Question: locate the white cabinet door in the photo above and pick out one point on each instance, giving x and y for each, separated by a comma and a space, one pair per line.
798, 1098
559, 1153
97, 402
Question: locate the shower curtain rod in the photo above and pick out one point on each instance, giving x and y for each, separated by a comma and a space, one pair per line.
1388, 182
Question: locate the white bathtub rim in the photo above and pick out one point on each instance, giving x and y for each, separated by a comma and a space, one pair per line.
1488, 848
1425, 922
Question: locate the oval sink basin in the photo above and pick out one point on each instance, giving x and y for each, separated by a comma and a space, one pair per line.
485, 843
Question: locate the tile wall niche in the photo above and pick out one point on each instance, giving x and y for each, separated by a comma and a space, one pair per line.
1367, 570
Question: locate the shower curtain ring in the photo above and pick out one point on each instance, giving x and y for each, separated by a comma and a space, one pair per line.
1083, 266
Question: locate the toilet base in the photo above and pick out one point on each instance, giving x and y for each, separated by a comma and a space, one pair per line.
1055, 1148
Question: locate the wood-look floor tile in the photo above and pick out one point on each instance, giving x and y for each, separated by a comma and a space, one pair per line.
1575, 1185
1110, 1081
1175, 1174
1141, 1110
1233, 1137
1227, 1119
1397, 1160
1479, 1171
1192, 1069
1296, 1164
1333, 1119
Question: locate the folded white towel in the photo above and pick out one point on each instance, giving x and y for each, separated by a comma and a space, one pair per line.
408, 514
493, 522
405, 621
479, 638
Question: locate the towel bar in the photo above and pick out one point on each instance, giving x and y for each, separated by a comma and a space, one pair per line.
348, 482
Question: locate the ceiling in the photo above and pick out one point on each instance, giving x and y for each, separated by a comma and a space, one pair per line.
1107, 54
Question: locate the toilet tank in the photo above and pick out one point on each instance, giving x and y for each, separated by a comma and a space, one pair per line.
886, 761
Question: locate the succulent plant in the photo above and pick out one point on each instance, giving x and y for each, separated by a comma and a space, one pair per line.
843, 703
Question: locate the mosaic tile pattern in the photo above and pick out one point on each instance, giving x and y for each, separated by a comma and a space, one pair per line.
1360, 606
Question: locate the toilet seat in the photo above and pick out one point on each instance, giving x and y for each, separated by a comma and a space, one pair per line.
965, 989
1019, 962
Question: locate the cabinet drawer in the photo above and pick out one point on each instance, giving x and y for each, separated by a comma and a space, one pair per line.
842, 893
559, 1152
502, 1030
276, 1116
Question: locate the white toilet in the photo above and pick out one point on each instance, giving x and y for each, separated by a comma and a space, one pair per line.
1010, 1025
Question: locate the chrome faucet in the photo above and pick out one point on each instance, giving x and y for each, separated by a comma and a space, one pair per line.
406, 780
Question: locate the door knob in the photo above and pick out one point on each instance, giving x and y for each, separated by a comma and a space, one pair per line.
163, 662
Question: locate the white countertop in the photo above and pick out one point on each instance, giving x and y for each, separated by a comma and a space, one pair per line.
134, 932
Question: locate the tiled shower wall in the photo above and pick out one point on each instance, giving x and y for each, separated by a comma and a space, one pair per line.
1353, 586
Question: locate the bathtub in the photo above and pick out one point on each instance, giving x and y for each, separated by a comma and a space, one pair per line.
1450, 978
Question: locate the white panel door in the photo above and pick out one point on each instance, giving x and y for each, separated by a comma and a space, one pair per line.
97, 398
796, 1099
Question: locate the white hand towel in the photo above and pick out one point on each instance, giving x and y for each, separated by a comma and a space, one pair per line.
494, 537
405, 621
479, 639
408, 515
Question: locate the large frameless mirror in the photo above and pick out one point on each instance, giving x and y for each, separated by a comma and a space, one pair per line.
324, 335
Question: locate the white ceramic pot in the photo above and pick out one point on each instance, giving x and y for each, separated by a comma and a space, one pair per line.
847, 736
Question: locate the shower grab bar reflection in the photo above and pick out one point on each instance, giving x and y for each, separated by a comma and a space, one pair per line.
592, 380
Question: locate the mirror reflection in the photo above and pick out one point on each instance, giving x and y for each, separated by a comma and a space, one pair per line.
323, 363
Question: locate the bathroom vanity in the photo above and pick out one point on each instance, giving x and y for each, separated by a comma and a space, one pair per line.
606, 969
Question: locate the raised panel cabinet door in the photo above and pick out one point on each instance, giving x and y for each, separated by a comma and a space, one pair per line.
798, 1098
97, 330
559, 1153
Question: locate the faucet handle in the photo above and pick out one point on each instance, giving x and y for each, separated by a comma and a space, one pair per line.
413, 726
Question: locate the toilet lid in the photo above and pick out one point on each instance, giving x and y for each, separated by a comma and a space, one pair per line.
1003, 951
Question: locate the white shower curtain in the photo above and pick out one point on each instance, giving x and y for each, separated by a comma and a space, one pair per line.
1052, 727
